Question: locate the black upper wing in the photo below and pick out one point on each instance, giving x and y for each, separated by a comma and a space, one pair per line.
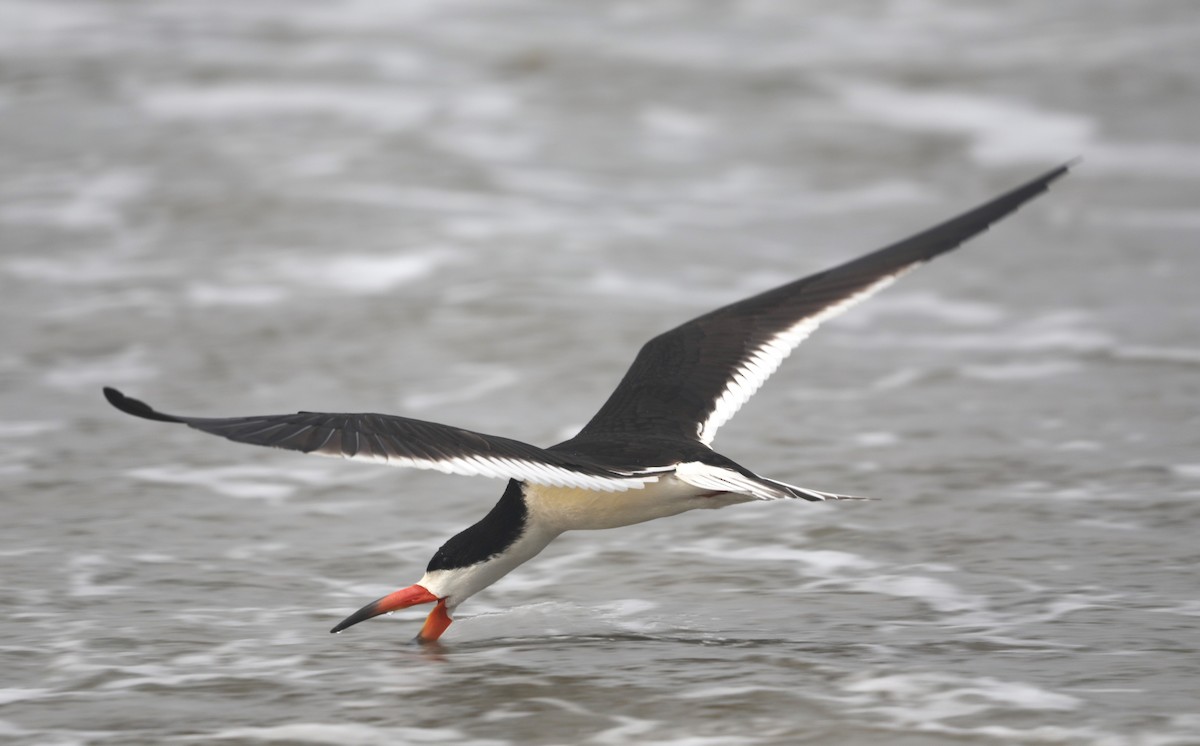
689, 381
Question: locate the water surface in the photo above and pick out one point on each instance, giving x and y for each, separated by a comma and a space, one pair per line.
475, 212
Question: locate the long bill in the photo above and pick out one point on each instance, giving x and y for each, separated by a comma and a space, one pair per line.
435, 624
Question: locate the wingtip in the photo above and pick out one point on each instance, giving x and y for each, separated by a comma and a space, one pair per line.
135, 407
1064, 168
116, 398
1041, 183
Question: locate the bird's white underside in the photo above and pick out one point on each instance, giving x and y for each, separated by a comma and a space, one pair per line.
702, 476
524, 470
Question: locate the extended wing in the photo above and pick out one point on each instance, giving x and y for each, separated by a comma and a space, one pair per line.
690, 380
401, 441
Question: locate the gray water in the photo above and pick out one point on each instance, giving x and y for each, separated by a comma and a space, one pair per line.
475, 212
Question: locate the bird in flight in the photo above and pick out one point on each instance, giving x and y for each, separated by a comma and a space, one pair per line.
645, 454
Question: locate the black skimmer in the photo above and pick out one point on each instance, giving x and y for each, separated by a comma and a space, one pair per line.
644, 455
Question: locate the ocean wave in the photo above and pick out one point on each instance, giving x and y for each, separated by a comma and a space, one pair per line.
387, 108
343, 734
240, 481
1000, 130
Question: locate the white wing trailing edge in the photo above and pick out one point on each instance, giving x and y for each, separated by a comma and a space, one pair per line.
401, 441
765, 359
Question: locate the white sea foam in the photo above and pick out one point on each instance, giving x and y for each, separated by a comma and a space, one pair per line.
22, 551
263, 281
255, 550
91, 304
543, 182
1000, 130
876, 439
1182, 355
932, 592
1158, 160
627, 607
1110, 525
640, 287
361, 274
10, 695
899, 379
873, 195
672, 133
385, 108
84, 572
310, 165
19, 429
1140, 219
242, 481
80, 373
1083, 490
37, 24
1186, 608
493, 103
626, 730
1019, 371
206, 294
938, 696
153, 558
79, 203
481, 380
1186, 471
1004, 130
481, 144
954, 311
485, 125
841, 570
89, 269
630, 615
419, 198
366, 16
820, 563
1080, 445
1064, 331
15, 462
551, 618
721, 691
936, 702
674, 122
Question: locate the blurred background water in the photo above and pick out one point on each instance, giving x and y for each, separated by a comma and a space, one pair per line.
475, 212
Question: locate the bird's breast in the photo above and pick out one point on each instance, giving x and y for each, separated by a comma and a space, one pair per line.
572, 508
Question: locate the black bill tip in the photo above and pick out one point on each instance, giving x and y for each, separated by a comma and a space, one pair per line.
367, 612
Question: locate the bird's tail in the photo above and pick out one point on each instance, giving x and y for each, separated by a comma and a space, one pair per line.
807, 493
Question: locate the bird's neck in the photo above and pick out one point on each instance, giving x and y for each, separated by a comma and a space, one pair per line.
494, 534
480, 555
